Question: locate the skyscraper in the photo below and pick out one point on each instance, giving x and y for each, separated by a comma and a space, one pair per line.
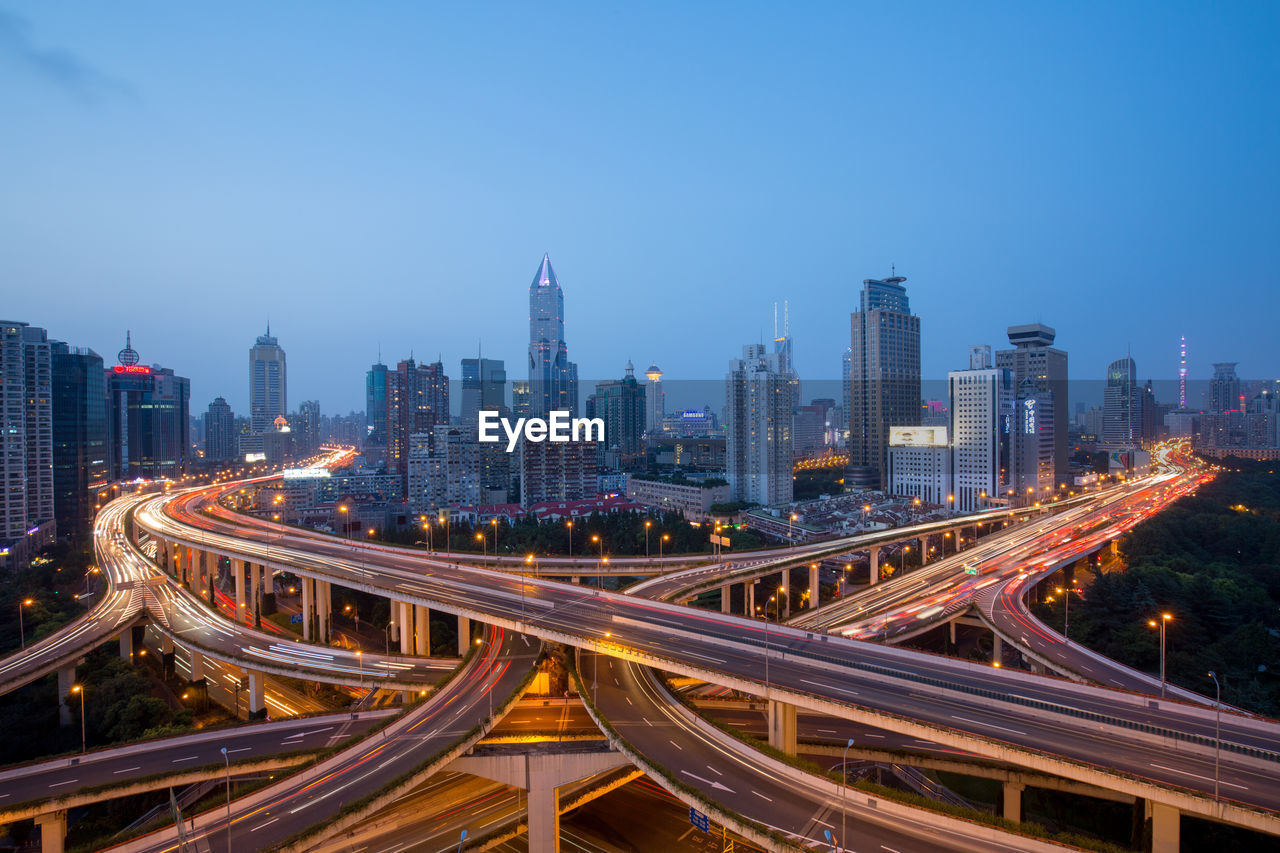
620, 403
884, 375
553, 379
268, 397
417, 402
1035, 356
484, 386
521, 405
1224, 389
760, 402
305, 425
1121, 405
655, 401
219, 432
375, 406
148, 409
981, 404
556, 471
26, 442
80, 465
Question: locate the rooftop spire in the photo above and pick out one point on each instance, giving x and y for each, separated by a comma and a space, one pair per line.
546, 276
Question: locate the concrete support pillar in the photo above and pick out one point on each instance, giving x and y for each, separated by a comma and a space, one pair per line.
782, 727
197, 666
575, 580
814, 593
268, 579
238, 578
725, 600
873, 558
213, 572
126, 644
749, 598
256, 702
924, 551
1166, 828
784, 600
406, 627
464, 635
307, 609
997, 648
422, 631
255, 593
324, 610
66, 678
951, 631
53, 831
544, 819
1011, 801
207, 564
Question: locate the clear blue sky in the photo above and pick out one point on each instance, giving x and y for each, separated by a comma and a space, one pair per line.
391, 174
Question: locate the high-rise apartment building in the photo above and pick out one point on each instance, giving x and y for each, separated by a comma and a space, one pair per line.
655, 401
1121, 405
521, 403
148, 409
444, 471
26, 441
305, 425
553, 379
417, 402
981, 404
268, 397
620, 403
760, 401
1224, 389
556, 471
484, 386
80, 465
219, 432
884, 374
1034, 356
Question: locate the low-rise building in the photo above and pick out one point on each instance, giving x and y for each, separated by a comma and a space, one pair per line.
666, 494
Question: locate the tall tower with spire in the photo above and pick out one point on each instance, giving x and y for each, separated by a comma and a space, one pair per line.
553, 379
268, 398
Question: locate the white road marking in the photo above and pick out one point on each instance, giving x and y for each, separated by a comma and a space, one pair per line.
180, 760
713, 770
1194, 776
762, 796
261, 825
676, 745
240, 749
988, 725
829, 687
118, 772
68, 782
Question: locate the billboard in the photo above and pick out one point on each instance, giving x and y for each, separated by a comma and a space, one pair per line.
918, 436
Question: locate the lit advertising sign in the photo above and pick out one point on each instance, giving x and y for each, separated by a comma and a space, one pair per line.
255, 457
132, 368
305, 474
919, 436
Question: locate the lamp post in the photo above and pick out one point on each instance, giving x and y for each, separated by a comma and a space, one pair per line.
227, 760
666, 537
84, 743
484, 545
528, 561
360, 658
494, 522
444, 519
844, 791
569, 524
461, 839
647, 525
902, 559
387, 637
1065, 592
790, 537
1161, 623
595, 667
22, 630
1217, 731
346, 524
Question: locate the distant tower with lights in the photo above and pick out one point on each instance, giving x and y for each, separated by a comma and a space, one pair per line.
655, 400
1182, 373
268, 398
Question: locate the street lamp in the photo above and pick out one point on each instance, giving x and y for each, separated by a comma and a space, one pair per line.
595, 668
528, 561
791, 520
647, 525
22, 631
902, 559
1217, 731
1161, 623
360, 657
346, 525
494, 522
444, 519
387, 648
569, 524
844, 790
76, 688
227, 760
1066, 610
666, 537
484, 544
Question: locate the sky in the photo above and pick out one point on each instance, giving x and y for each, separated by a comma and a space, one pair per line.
387, 177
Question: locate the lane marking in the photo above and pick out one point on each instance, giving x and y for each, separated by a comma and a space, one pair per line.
68, 782
180, 760
762, 796
676, 745
125, 770
988, 725
1195, 776
261, 825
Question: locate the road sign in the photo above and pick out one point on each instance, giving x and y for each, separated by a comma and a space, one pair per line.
970, 570
722, 541
295, 619
698, 819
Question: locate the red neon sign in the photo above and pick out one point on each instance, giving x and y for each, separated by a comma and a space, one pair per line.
131, 368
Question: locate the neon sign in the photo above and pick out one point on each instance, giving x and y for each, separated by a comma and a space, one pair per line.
132, 368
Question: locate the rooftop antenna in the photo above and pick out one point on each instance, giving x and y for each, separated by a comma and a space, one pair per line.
775, 320
786, 318
1182, 373
893, 271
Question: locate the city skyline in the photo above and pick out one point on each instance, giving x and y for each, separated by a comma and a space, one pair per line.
1003, 207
